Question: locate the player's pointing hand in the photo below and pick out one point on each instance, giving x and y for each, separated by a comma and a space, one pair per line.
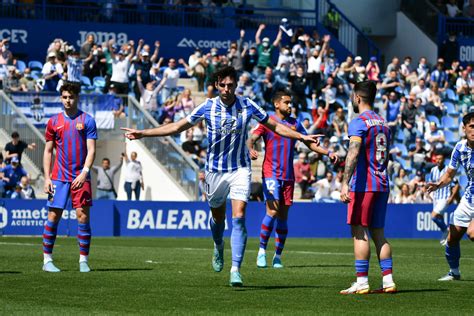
312, 138
132, 134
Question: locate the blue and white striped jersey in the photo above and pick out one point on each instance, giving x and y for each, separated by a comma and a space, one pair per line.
462, 155
227, 131
443, 193
74, 69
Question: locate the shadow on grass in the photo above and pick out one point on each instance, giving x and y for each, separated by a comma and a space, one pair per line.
121, 269
10, 272
421, 290
320, 266
274, 287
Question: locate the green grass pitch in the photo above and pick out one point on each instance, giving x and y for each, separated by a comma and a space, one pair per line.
174, 276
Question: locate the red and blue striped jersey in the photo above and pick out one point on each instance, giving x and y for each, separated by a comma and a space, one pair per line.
69, 136
371, 172
279, 151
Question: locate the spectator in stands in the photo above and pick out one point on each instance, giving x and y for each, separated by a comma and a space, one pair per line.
190, 146
286, 57
185, 104
120, 66
392, 108
95, 65
391, 83
16, 194
421, 196
198, 64
12, 174
27, 82
314, 65
400, 179
409, 119
245, 87
251, 59
6, 56
298, 85
16, 147
331, 64
434, 135
169, 109
52, 72
58, 47
452, 9
404, 197
453, 72
372, 69
236, 53
320, 114
325, 189
303, 176
301, 50
406, 69
435, 105
27, 192
75, 66
105, 179
87, 46
12, 83
421, 91
145, 62
464, 83
393, 66
466, 99
422, 124
267, 85
265, 49
419, 155
423, 70
170, 80
440, 77
148, 95
202, 186
332, 21
339, 124
359, 70
133, 176
329, 92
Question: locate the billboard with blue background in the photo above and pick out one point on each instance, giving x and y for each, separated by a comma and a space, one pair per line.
191, 219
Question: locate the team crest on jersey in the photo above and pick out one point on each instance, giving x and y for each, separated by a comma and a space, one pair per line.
79, 126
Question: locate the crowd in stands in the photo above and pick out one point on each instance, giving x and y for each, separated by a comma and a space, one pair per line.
455, 8
421, 100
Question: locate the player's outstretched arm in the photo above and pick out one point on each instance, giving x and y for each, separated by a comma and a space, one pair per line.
351, 163
163, 130
287, 132
444, 181
322, 151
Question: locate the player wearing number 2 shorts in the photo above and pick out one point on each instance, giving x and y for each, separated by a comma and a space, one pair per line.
278, 176
366, 164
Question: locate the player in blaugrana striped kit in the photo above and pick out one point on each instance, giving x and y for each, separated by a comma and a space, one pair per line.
463, 217
443, 197
228, 162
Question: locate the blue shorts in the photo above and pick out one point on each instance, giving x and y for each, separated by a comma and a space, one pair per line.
278, 190
62, 194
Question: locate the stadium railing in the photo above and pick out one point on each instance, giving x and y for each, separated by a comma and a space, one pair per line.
348, 34
178, 164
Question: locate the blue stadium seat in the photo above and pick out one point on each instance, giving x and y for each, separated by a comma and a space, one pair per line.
99, 82
309, 103
433, 118
451, 109
20, 65
404, 164
305, 115
449, 137
35, 65
85, 81
189, 175
450, 95
400, 136
450, 123
403, 149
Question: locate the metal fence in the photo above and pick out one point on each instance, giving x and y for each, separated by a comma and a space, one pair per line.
12, 119
178, 164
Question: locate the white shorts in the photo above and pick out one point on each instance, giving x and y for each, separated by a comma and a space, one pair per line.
440, 206
220, 184
464, 214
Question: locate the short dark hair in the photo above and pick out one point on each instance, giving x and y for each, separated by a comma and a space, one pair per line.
467, 118
366, 90
106, 159
15, 135
71, 87
279, 95
224, 72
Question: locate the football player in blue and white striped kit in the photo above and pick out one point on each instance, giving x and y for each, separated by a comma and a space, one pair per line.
442, 197
463, 217
228, 162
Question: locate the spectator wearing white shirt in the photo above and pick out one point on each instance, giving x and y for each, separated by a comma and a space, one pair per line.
464, 82
120, 66
170, 80
452, 9
52, 72
314, 65
325, 188
133, 176
27, 191
148, 95
434, 135
421, 91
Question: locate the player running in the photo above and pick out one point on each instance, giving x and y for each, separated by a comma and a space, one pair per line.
228, 163
366, 164
73, 134
278, 176
463, 217
442, 197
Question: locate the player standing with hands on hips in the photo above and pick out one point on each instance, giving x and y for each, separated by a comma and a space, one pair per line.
228, 162
366, 164
73, 134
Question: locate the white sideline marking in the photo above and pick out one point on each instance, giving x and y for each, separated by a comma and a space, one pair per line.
19, 244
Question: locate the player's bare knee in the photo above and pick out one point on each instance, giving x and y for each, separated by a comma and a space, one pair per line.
54, 215
272, 213
470, 234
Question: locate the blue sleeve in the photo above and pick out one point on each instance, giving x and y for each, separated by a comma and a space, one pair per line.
91, 129
455, 158
257, 112
357, 128
433, 76
300, 128
198, 113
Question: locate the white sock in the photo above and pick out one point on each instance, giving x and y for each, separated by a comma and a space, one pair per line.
261, 251
219, 247
83, 258
455, 271
47, 257
363, 279
234, 269
387, 279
